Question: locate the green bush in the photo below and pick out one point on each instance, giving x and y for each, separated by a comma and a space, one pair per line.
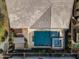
2, 39
1, 51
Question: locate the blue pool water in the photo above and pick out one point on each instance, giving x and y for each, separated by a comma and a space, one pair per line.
47, 38
42, 38
54, 34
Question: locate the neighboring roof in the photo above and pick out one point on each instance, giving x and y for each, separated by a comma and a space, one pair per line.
28, 13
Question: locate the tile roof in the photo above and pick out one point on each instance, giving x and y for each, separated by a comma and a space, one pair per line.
61, 13
28, 13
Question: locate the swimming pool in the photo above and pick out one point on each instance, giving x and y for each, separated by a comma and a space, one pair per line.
42, 38
47, 38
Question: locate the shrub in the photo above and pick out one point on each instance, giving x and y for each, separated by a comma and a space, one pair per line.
2, 39
1, 51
